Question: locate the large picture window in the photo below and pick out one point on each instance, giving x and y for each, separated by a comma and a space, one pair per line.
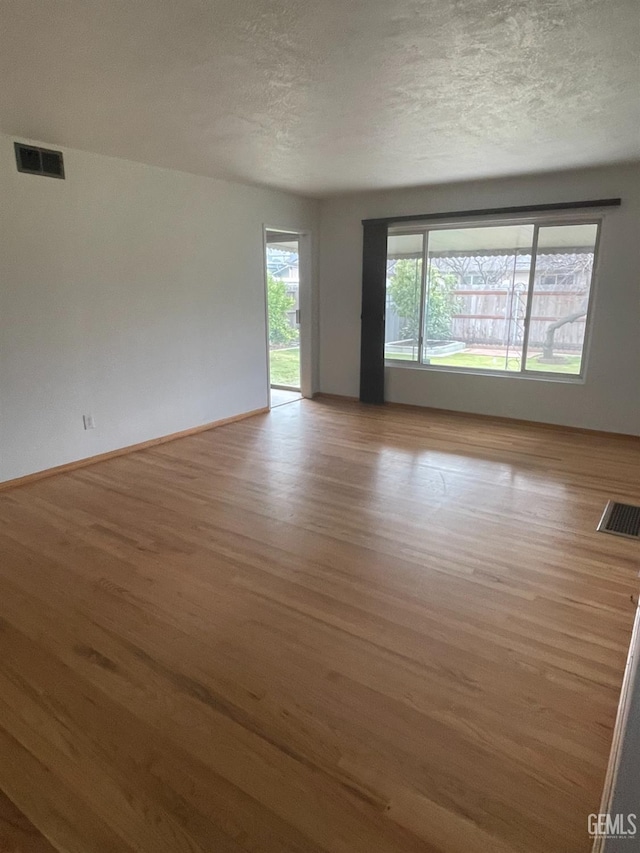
507, 298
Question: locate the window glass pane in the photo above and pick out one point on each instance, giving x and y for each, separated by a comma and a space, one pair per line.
476, 296
560, 300
404, 282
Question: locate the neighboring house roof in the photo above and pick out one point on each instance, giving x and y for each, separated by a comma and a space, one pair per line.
279, 262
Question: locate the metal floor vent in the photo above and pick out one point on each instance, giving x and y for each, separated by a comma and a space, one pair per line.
621, 520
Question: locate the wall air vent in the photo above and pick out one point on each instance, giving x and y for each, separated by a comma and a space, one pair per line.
39, 161
621, 520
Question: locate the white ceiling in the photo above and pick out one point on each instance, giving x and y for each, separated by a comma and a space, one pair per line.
323, 96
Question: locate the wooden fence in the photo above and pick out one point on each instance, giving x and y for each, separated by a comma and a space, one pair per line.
495, 317
487, 317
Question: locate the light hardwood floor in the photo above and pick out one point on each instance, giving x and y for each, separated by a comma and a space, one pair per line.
17, 833
329, 628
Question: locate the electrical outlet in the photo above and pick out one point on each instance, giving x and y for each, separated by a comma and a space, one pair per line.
89, 423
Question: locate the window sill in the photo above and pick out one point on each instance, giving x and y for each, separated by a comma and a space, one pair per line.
566, 379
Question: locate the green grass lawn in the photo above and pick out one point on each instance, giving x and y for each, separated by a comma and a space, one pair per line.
285, 366
490, 362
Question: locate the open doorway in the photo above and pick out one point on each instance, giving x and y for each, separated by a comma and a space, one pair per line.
283, 313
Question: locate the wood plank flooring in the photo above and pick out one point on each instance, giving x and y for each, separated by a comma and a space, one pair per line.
17, 833
331, 628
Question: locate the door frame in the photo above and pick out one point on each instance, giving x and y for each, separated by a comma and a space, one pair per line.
305, 302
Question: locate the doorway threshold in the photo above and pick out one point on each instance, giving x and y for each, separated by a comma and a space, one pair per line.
282, 396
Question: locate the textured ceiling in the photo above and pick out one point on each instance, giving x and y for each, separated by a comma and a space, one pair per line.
322, 96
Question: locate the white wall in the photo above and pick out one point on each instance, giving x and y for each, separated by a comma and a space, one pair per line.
608, 400
132, 293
